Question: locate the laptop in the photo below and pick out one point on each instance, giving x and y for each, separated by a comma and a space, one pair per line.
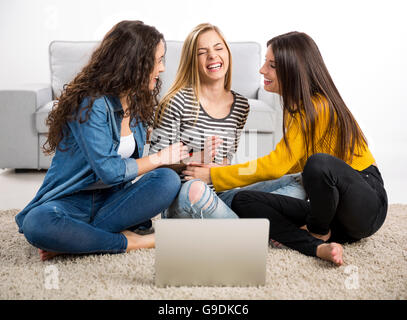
211, 252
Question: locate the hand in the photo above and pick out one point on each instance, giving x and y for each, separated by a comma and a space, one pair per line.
173, 154
200, 171
203, 165
207, 155
210, 146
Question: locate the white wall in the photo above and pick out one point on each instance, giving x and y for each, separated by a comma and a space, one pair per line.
364, 44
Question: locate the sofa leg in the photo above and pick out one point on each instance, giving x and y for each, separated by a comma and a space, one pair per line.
29, 170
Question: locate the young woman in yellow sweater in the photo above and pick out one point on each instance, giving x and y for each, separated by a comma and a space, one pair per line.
346, 197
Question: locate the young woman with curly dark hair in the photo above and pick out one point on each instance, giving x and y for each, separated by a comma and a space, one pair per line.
97, 130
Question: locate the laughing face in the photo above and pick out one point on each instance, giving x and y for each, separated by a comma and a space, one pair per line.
213, 57
268, 70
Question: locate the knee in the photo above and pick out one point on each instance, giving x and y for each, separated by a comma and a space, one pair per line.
196, 191
316, 164
169, 179
240, 203
35, 225
169, 176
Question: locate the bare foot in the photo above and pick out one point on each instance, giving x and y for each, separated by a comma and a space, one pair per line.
46, 255
331, 252
276, 244
136, 241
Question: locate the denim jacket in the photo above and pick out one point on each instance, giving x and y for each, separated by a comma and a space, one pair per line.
91, 155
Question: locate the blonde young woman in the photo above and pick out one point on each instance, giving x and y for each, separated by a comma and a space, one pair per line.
202, 111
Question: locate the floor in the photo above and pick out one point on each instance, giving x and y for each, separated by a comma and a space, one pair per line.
17, 189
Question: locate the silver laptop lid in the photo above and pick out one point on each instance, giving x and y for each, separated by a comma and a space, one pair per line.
211, 252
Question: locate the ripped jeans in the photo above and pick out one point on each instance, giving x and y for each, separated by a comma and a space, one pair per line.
220, 203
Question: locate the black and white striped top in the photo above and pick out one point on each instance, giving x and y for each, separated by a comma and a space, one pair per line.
180, 123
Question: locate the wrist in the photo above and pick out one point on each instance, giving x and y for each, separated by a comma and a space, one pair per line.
156, 159
195, 157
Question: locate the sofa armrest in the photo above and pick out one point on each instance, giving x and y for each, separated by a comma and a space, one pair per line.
18, 134
35, 94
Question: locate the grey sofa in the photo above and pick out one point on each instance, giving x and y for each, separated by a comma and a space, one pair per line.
23, 110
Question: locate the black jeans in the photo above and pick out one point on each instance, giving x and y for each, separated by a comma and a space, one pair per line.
350, 203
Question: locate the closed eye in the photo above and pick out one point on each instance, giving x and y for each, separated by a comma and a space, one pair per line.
271, 63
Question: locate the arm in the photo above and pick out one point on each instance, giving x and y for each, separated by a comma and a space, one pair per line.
239, 130
95, 141
169, 131
276, 163
272, 166
164, 158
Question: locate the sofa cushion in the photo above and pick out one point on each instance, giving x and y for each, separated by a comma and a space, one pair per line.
258, 137
246, 60
261, 117
41, 116
67, 58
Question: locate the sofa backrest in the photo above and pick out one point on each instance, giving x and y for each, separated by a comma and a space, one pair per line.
67, 58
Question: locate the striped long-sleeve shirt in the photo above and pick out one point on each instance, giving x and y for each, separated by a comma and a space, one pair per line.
180, 122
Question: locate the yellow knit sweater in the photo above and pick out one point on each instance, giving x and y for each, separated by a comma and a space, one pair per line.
279, 162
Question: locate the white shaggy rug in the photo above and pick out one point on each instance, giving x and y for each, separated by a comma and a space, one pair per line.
375, 268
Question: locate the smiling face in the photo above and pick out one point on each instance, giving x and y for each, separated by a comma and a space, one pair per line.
158, 65
213, 57
268, 70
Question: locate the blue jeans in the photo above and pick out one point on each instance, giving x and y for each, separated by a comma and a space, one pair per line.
220, 207
91, 221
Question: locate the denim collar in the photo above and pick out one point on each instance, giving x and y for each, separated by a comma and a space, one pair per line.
116, 104
117, 107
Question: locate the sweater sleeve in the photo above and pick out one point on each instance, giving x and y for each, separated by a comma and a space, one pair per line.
272, 166
278, 162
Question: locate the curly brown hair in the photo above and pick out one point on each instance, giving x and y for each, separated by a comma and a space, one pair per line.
120, 66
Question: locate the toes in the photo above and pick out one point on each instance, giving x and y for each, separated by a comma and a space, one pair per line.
336, 254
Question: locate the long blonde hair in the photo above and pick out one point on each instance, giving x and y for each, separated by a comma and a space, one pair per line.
187, 73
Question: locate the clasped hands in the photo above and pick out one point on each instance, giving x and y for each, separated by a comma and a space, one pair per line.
198, 166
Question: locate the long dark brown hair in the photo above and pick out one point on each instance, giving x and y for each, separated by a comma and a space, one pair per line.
121, 65
303, 77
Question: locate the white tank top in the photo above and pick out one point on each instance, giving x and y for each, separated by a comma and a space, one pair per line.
127, 146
